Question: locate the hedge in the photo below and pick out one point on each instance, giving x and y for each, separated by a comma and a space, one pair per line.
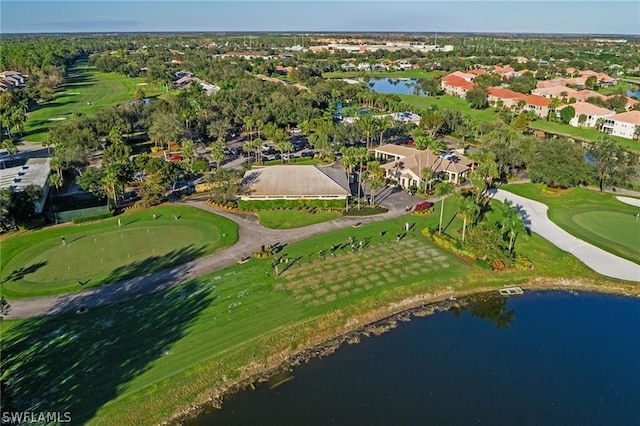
289, 204
83, 219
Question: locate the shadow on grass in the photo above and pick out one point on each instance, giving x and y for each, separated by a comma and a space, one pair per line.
20, 273
77, 363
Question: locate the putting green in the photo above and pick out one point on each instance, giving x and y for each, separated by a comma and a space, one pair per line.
618, 228
38, 263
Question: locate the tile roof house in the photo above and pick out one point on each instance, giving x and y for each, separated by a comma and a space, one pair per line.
507, 71
625, 125
514, 100
555, 92
455, 85
405, 164
591, 113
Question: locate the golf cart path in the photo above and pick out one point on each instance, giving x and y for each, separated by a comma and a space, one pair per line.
597, 259
251, 236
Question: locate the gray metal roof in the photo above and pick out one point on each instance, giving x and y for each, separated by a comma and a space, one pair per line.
295, 181
34, 172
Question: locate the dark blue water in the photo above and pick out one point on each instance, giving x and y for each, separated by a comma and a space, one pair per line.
395, 86
559, 359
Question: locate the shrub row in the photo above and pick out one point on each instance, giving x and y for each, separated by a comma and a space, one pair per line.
84, 219
289, 204
449, 243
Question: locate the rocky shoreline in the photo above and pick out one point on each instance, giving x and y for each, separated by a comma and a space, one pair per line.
418, 306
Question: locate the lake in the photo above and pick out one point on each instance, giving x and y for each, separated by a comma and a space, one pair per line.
545, 358
394, 86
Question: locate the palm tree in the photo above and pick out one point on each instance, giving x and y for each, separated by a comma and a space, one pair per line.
248, 126
469, 210
348, 160
384, 124
217, 151
427, 174
56, 181
360, 155
376, 173
511, 221
280, 139
443, 189
367, 125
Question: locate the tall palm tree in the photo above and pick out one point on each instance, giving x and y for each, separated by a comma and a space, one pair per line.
426, 174
360, 155
56, 181
511, 221
376, 174
469, 210
248, 126
280, 139
217, 151
367, 125
443, 190
384, 124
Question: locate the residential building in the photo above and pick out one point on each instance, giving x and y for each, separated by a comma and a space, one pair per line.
555, 92
518, 101
505, 72
625, 125
590, 112
405, 164
455, 85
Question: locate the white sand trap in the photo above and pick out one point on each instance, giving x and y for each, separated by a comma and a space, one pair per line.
57, 119
141, 84
629, 200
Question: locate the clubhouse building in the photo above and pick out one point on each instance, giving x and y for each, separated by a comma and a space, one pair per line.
405, 164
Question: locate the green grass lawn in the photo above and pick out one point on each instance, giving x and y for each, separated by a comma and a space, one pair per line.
86, 91
449, 102
581, 133
380, 74
36, 263
285, 219
595, 217
118, 364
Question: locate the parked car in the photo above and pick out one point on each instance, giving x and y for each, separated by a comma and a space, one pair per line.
226, 151
308, 154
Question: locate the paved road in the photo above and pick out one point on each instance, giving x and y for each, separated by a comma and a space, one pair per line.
597, 259
251, 237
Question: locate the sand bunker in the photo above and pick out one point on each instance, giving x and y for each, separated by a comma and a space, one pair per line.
629, 200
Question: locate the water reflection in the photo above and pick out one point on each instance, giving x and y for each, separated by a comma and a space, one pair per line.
491, 307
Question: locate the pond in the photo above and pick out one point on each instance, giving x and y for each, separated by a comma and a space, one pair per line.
398, 86
542, 358
632, 94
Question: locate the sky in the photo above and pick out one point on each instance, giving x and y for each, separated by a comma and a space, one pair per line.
513, 16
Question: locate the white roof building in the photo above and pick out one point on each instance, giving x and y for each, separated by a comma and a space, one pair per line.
295, 182
35, 172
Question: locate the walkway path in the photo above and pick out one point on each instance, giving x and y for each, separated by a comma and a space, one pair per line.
251, 237
597, 259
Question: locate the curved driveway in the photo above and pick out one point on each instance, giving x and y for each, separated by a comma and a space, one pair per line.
601, 261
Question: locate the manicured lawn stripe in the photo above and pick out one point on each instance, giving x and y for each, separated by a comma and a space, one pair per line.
449, 102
